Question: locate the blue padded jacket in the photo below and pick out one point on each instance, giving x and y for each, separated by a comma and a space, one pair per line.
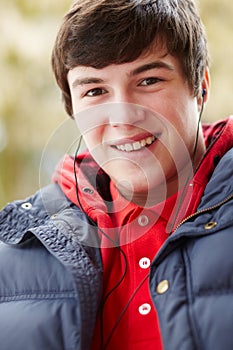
191, 278
51, 279
50, 284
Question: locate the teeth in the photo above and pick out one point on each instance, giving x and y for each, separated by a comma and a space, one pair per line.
135, 146
143, 143
128, 147
149, 140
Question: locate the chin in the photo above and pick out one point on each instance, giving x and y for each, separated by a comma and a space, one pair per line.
136, 188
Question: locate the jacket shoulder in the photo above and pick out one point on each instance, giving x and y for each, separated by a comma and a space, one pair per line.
48, 273
196, 262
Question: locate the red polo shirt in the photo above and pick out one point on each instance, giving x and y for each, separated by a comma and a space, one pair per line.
129, 318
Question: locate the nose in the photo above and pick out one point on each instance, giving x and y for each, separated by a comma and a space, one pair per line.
125, 113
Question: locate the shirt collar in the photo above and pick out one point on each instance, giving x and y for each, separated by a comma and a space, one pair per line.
123, 211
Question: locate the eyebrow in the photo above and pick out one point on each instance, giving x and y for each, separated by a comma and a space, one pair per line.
84, 81
141, 69
152, 65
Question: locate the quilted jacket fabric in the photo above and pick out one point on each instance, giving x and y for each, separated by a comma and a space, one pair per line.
51, 279
196, 267
50, 283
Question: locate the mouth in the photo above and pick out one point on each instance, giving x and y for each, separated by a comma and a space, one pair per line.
137, 145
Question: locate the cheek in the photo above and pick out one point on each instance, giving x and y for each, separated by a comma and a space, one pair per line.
183, 116
94, 142
90, 120
92, 139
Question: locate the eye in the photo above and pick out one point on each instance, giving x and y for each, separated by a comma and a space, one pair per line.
95, 92
150, 81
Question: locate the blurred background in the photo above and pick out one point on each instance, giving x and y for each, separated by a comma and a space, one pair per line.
34, 129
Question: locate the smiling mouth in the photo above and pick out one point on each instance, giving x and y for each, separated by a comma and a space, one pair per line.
137, 145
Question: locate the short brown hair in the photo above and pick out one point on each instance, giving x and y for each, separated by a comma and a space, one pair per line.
101, 32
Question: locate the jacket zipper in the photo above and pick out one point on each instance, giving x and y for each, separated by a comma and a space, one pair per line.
204, 210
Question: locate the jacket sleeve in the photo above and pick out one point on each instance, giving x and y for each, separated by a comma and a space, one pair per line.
50, 281
192, 284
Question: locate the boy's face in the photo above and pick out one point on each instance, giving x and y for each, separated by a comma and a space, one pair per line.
139, 121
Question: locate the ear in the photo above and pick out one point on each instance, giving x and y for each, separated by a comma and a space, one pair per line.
203, 96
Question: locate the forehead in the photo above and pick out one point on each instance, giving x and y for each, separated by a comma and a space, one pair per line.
155, 57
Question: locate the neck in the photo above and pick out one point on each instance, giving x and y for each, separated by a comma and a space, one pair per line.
174, 184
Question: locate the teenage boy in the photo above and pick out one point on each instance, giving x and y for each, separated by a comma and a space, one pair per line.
131, 246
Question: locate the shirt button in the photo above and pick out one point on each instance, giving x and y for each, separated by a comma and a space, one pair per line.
143, 220
144, 309
144, 263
